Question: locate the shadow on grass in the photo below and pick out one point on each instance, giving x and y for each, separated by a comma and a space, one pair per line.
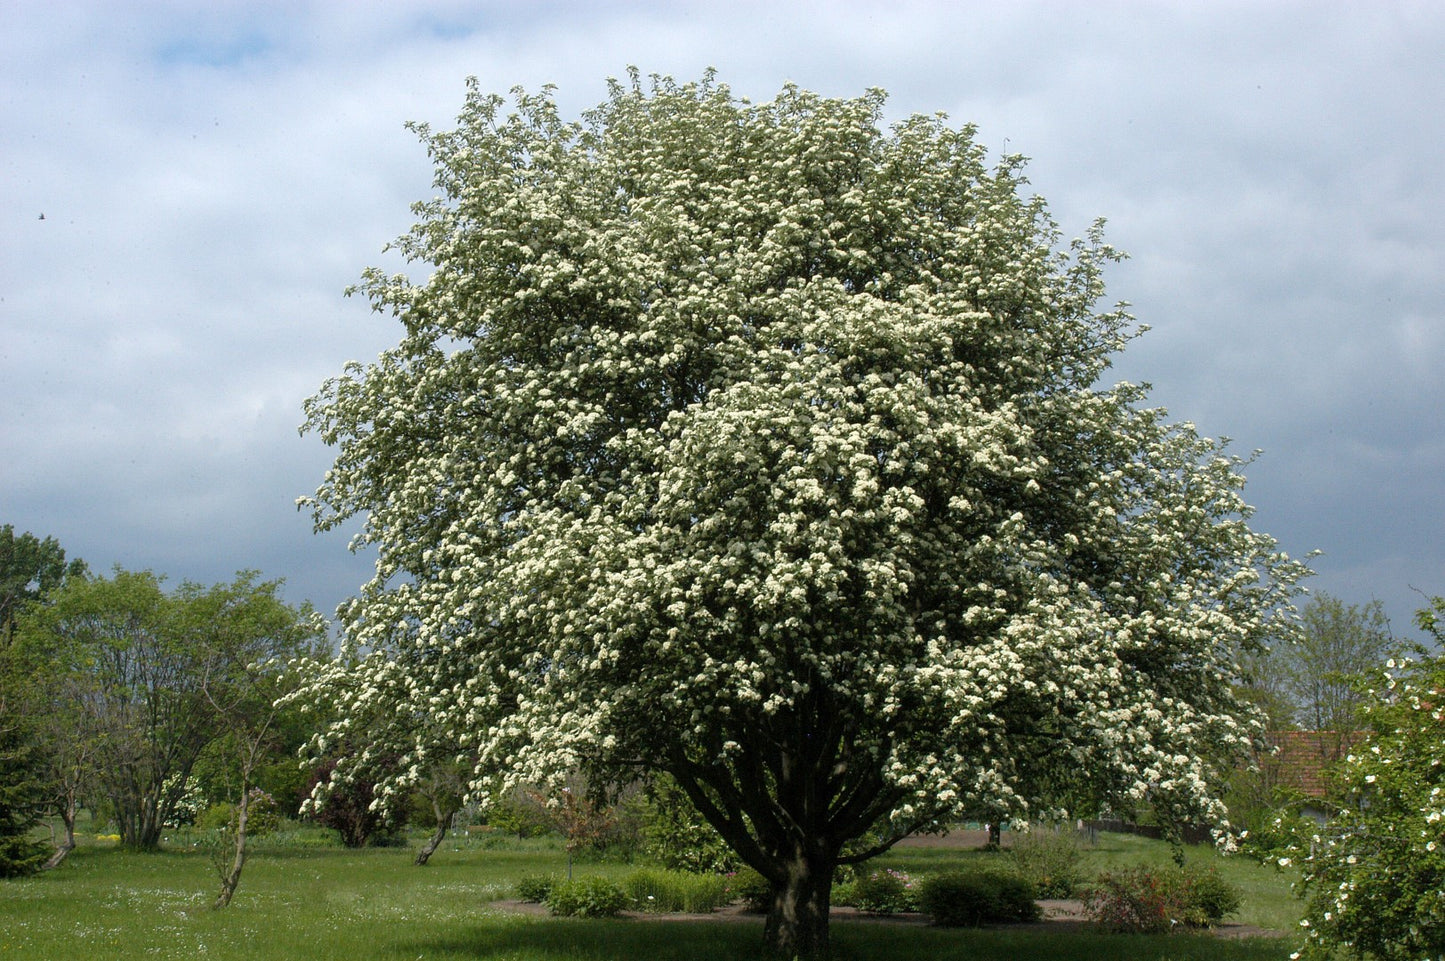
623, 940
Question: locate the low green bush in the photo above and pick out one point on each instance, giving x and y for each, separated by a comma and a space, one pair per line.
751, 888
1213, 897
586, 897
535, 887
263, 817
674, 891
1050, 856
960, 899
1146, 899
885, 892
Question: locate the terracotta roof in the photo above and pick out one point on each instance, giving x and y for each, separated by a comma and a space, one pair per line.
1304, 757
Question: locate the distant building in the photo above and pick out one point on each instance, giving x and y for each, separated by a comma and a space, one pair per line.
1299, 763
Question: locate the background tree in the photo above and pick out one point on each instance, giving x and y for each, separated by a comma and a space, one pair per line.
125, 668
1338, 643
29, 567
442, 789
1375, 882
247, 636
22, 788
762, 446
1310, 682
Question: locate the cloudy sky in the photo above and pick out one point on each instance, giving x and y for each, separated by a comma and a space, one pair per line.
212, 176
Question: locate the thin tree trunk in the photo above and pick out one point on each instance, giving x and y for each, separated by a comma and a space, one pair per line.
444, 824
231, 878
797, 925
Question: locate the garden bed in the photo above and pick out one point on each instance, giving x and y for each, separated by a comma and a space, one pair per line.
1060, 916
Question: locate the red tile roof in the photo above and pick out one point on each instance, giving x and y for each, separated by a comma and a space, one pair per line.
1303, 758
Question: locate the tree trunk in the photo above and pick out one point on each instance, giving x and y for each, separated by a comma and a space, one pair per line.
797, 925
231, 878
444, 823
138, 822
67, 817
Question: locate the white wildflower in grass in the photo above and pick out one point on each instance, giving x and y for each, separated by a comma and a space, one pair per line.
766, 446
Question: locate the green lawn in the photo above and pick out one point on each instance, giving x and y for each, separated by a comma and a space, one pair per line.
323, 903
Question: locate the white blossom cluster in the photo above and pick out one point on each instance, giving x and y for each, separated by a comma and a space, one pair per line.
765, 446
1375, 878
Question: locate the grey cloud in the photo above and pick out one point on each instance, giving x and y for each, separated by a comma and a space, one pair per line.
213, 178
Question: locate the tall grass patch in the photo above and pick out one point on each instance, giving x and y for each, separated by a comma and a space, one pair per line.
676, 891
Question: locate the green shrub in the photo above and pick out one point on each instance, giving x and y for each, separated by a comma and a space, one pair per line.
586, 897
1213, 897
885, 892
970, 899
262, 816
1147, 899
535, 887
519, 815
673, 891
1050, 856
676, 835
217, 817
751, 888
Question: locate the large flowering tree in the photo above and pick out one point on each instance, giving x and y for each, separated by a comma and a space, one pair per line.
762, 445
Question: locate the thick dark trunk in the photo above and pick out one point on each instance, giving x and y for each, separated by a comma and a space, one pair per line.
444, 823
138, 822
797, 925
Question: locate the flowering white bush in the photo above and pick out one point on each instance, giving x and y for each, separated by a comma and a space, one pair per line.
1376, 877
762, 446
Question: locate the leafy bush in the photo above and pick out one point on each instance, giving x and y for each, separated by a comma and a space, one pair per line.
1215, 897
536, 887
217, 817
519, 815
986, 897
677, 836
885, 892
751, 888
1147, 899
347, 809
262, 816
586, 897
670, 891
1375, 883
1049, 856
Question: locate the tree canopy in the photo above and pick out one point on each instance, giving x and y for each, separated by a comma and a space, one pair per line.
764, 445
29, 568
132, 678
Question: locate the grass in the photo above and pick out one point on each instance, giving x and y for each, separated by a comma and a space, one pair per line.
309, 900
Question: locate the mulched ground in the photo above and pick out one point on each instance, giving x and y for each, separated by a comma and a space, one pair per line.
1059, 917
